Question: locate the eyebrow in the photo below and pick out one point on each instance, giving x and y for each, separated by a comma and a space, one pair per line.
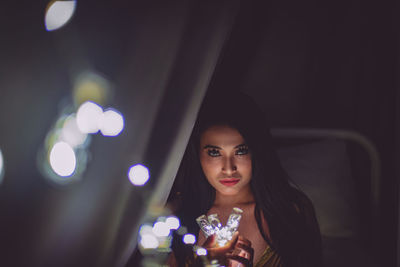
240, 145
211, 146
217, 147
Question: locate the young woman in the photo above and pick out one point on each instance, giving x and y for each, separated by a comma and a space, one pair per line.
230, 162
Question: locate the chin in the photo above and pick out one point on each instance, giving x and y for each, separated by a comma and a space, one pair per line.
228, 191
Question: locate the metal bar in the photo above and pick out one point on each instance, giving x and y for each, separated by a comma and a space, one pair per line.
346, 135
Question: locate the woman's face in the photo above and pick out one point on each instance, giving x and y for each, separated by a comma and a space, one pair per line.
225, 159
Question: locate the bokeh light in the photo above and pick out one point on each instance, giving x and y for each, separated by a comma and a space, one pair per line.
172, 222
71, 133
146, 229
201, 252
161, 229
182, 230
1, 161
58, 13
189, 239
138, 175
111, 123
62, 159
88, 117
149, 241
91, 86
1, 166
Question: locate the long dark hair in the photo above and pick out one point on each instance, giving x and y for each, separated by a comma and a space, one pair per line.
294, 234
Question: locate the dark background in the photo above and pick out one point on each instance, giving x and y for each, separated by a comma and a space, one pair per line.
319, 64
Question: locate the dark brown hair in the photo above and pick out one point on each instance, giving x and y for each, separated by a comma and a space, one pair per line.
294, 233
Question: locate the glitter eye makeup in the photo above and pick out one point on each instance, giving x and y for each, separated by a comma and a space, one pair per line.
213, 152
242, 150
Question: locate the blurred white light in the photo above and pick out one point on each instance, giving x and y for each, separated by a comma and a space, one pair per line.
173, 222
58, 14
62, 159
138, 174
146, 229
88, 117
111, 123
201, 252
189, 239
161, 229
149, 241
1, 164
71, 133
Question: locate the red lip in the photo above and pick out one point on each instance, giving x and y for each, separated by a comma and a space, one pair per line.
229, 181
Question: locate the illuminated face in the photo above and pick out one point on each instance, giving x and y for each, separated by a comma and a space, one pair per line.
225, 160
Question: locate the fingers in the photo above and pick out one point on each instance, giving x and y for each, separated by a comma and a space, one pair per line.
237, 259
243, 253
244, 247
214, 251
236, 253
238, 250
241, 258
243, 240
210, 242
235, 237
231, 243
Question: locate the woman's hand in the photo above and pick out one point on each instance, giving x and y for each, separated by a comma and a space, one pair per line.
236, 253
219, 253
242, 255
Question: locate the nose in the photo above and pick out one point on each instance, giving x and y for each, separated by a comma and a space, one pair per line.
229, 166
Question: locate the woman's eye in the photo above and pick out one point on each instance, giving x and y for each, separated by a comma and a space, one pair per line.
213, 152
242, 151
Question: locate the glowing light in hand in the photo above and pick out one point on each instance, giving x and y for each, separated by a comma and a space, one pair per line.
212, 225
58, 14
62, 159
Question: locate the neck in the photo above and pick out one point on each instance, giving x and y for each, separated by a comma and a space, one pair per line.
243, 197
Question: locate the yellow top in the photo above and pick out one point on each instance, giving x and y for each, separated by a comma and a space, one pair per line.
269, 259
